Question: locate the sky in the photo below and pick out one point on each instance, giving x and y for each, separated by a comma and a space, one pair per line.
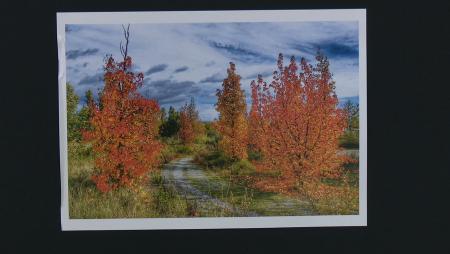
180, 61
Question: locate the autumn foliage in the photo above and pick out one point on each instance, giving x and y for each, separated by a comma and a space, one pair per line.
188, 123
232, 122
124, 129
296, 124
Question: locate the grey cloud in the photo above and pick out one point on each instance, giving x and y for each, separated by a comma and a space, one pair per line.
263, 74
217, 77
91, 79
169, 91
195, 90
72, 28
211, 63
174, 100
181, 69
336, 48
241, 54
207, 96
74, 54
156, 68
74, 69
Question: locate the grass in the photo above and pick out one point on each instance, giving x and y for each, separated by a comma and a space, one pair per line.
350, 140
85, 201
233, 179
246, 200
174, 149
227, 180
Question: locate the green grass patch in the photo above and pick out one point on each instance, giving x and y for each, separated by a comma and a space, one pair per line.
349, 140
247, 200
153, 199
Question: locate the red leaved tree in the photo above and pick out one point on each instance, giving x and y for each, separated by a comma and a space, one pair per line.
232, 122
189, 123
124, 127
296, 124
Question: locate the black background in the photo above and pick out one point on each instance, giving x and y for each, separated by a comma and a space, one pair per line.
408, 138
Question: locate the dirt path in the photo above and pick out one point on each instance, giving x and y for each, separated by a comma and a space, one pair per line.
181, 172
197, 185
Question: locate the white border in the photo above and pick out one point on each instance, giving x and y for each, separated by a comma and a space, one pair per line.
213, 17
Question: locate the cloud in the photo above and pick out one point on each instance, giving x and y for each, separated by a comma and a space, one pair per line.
169, 91
181, 69
156, 68
264, 74
335, 49
217, 77
242, 54
210, 63
74, 54
190, 60
207, 112
71, 28
91, 80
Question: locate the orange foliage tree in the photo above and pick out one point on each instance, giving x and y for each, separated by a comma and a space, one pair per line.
232, 122
124, 127
189, 123
296, 124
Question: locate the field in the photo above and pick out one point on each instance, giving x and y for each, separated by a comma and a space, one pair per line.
193, 183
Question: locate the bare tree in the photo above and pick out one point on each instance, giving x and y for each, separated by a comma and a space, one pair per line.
124, 49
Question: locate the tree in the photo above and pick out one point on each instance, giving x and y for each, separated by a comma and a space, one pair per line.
73, 133
163, 115
85, 113
125, 127
232, 122
189, 122
255, 120
297, 124
350, 139
186, 132
352, 110
170, 127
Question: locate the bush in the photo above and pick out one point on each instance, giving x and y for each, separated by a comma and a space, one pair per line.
183, 149
156, 178
242, 167
218, 159
254, 155
350, 139
215, 159
168, 154
174, 149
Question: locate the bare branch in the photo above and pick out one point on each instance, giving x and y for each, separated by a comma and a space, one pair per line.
124, 49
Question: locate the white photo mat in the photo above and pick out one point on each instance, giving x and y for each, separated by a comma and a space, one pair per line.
358, 15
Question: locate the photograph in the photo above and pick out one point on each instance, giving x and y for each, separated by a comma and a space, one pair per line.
212, 119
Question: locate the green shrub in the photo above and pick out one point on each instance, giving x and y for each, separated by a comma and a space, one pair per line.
350, 139
156, 178
218, 159
214, 159
183, 149
168, 154
254, 155
242, 167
